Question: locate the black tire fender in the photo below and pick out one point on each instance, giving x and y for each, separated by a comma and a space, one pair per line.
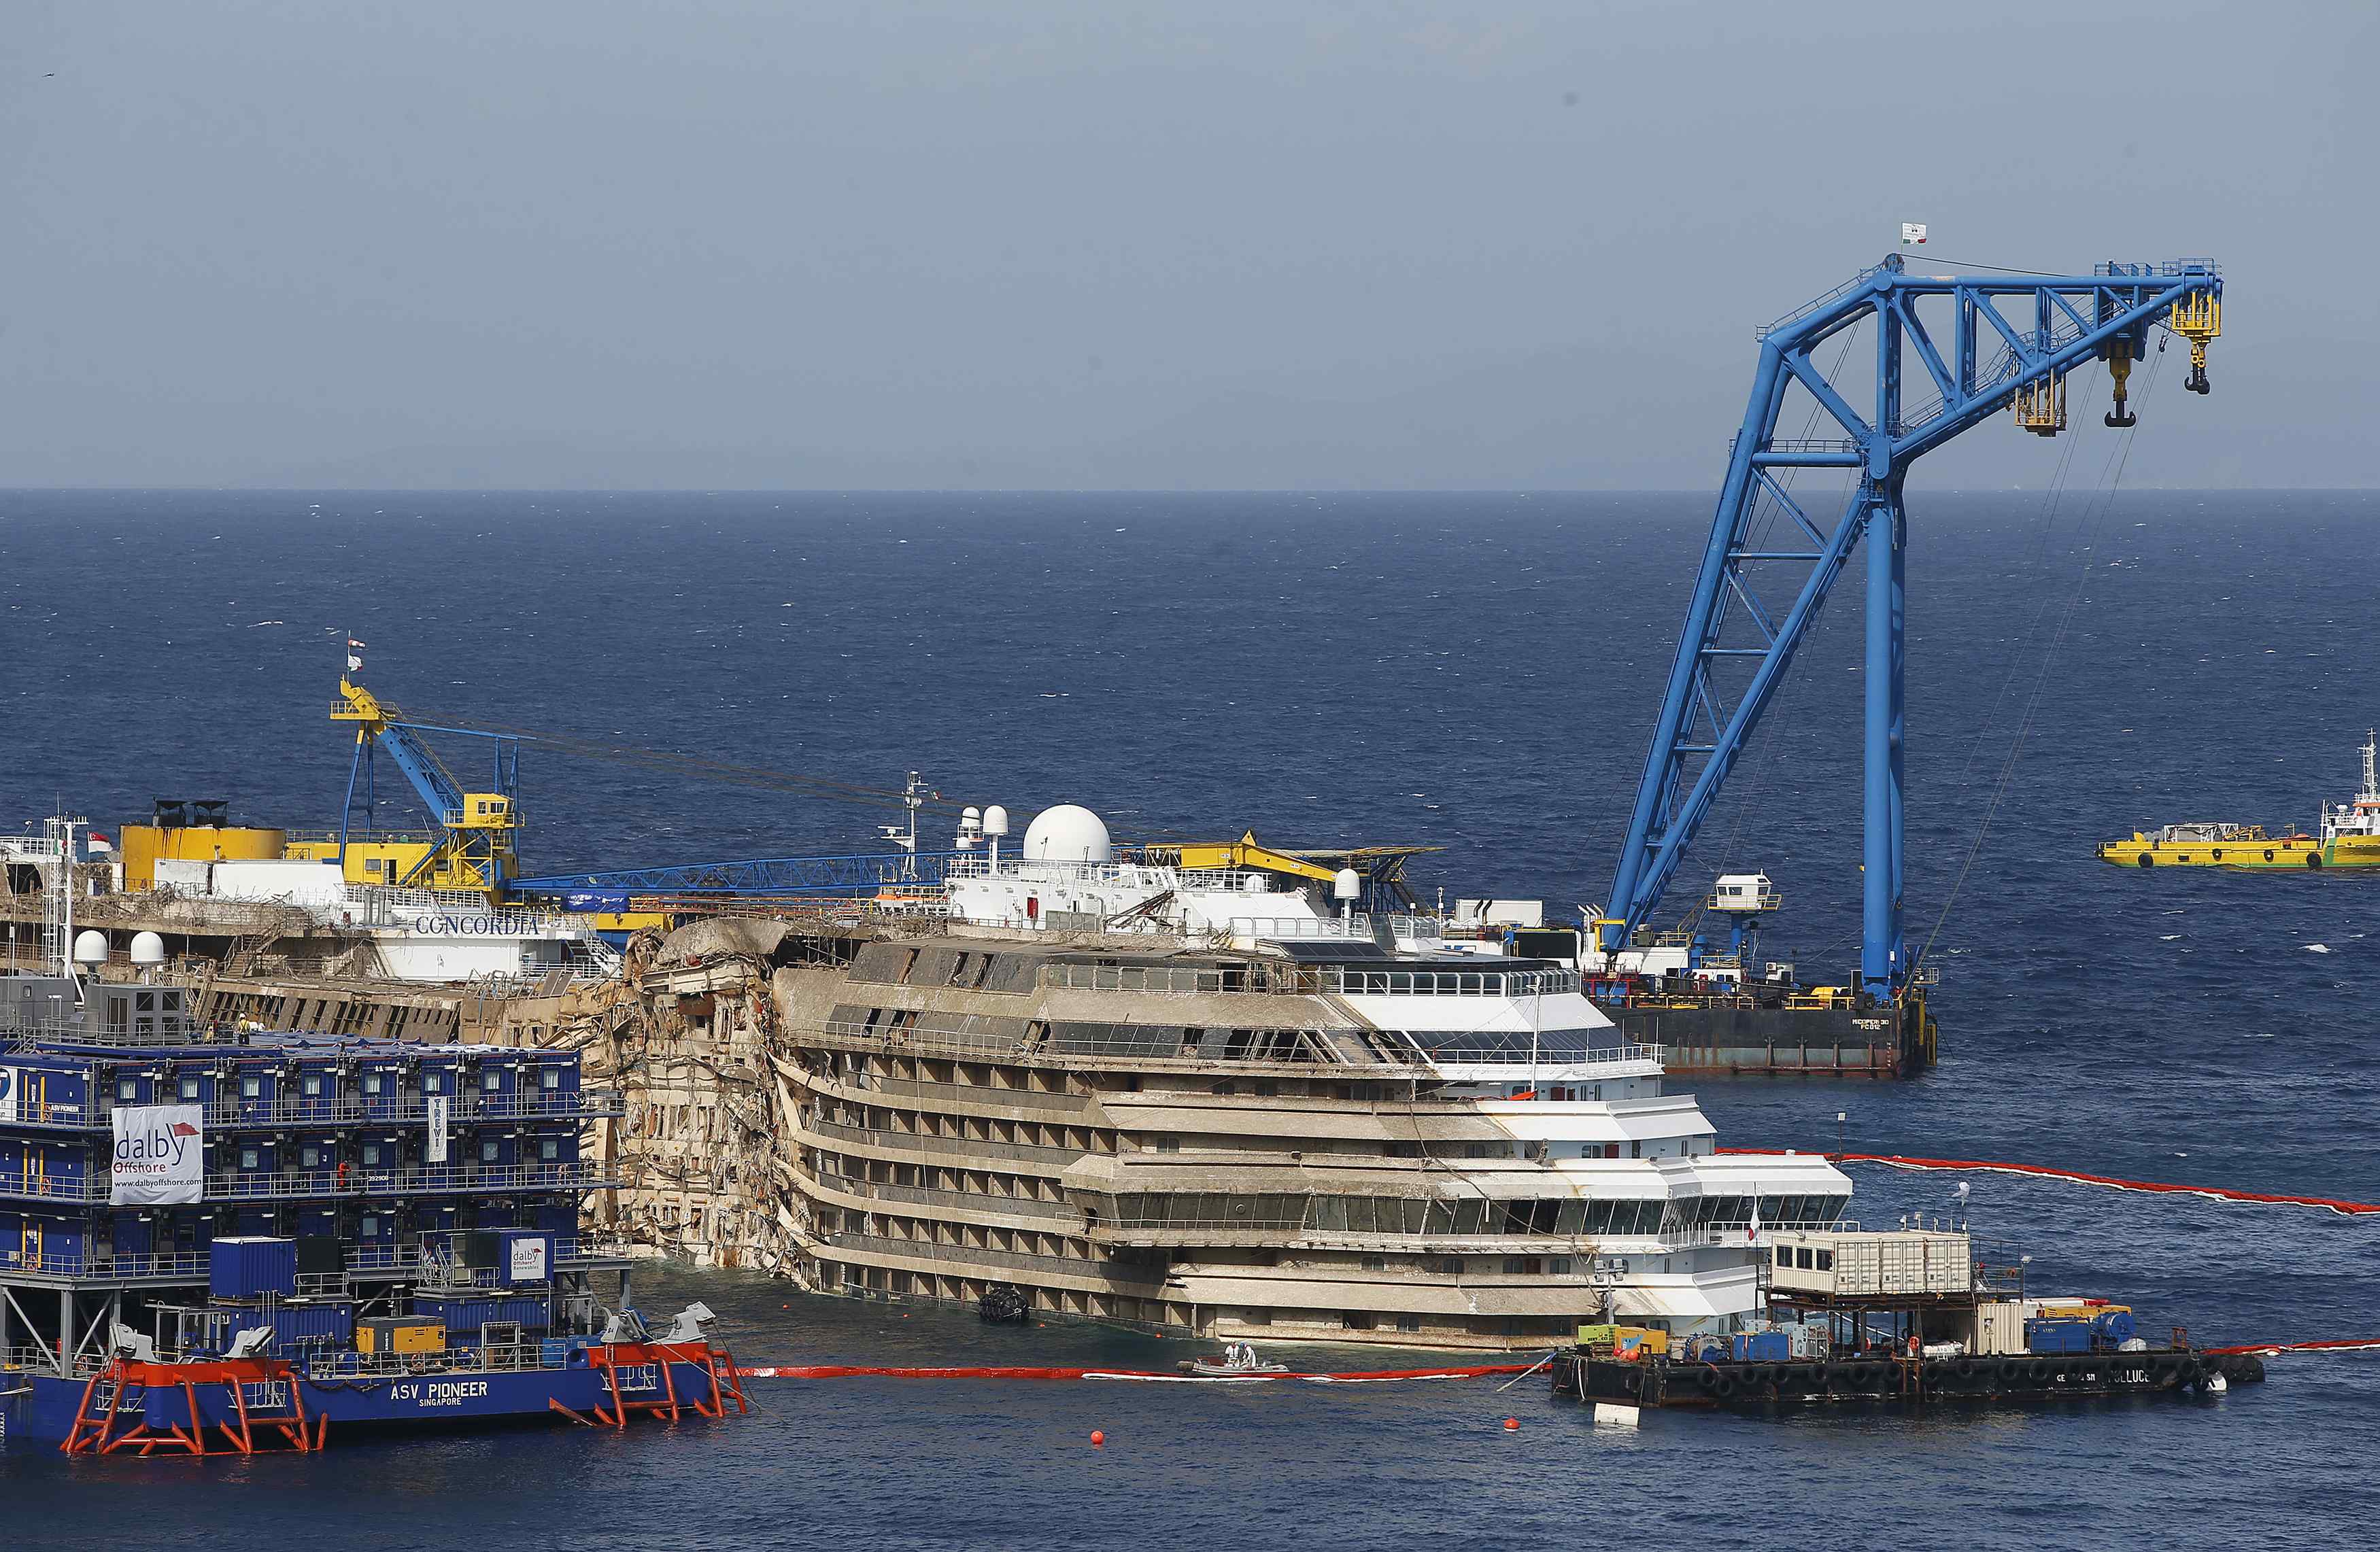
2147, 861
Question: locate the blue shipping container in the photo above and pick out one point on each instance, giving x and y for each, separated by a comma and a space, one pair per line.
465, 1316
328, 1324
2059, 1336
245, 1266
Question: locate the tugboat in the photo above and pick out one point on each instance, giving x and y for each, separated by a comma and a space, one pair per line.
2349, 837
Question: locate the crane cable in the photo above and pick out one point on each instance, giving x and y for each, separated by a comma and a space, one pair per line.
695, 767
2094, 511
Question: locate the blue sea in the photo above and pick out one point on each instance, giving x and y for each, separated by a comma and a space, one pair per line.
1475, 673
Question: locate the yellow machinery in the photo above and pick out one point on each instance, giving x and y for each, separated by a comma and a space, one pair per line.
191, 831
408, 1334
2198, 318
1246, 852
2040, 407
475, 846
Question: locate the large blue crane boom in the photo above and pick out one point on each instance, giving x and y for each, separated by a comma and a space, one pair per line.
1982, 365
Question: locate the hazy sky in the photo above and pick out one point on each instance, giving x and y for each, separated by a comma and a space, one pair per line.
1104, 245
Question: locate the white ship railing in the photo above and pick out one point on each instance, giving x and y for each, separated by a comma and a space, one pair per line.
1130, 874
1183, 980
1358, 927
184, 1263
1615, 1060
469, 1106
261, 1186
1354, 982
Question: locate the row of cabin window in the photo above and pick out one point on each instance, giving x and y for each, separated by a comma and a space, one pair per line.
1540, 1218
313, 1157
1514, 1265
1778, 1211
309, 1085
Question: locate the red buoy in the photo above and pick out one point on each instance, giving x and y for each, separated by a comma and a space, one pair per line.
1512, 1424
1099, 1439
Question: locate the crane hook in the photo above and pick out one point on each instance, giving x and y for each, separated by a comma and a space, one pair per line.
2119, 369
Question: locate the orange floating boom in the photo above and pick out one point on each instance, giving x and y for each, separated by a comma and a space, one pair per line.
2042, 1171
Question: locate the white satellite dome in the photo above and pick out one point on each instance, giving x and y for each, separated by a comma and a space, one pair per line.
1348, 884
91, 948
148, 949
1069, 832
995, 821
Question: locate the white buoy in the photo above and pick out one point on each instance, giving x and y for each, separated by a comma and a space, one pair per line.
1614, 1414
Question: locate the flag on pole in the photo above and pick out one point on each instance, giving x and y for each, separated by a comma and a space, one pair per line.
1752, 1234
1912, 233
353, 642
354, 663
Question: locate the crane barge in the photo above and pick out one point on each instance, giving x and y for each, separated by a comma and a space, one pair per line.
1948, 357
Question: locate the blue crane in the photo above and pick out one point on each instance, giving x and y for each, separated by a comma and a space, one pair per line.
1738, 620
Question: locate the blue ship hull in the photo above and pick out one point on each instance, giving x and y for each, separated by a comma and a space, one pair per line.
41, 1410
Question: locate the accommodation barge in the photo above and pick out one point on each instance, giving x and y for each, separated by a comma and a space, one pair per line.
215, 1242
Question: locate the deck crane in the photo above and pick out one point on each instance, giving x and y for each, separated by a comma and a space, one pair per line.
475, 842
1980, 364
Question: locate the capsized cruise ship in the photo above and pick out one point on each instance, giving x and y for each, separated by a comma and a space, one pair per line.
1215, 1100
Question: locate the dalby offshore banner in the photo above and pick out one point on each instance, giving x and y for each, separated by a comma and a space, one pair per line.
159, 1155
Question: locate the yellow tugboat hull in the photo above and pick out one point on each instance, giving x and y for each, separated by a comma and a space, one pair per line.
2304, 852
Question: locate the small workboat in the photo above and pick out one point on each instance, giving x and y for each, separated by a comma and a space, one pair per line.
1239, 1362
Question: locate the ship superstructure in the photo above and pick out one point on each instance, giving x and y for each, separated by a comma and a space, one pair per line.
1220, 1100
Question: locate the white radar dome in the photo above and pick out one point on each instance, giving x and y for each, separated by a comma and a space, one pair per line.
148, 949
1348, 885
1067, 833
91, 948
995, 821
